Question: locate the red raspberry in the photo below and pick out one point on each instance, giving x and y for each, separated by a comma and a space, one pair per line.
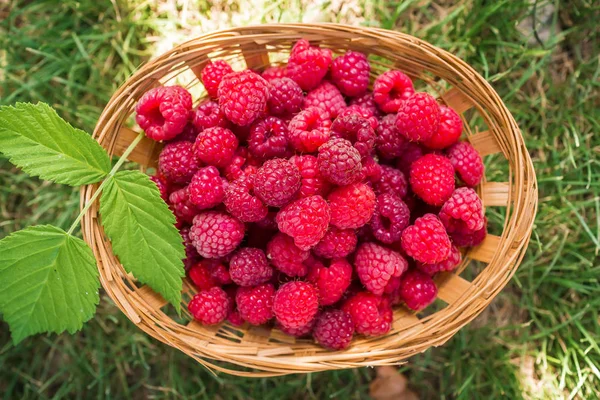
309, 129
419, 117
188, 134
274, 73
206, 189
432, 179
220, 274
308, 64
331, 282
200, 274
236, 167
392, 181
411, 153
426, 241
191, 255
255, 304
443, 266
306, 220
448, 133
376, 265
215, 146
295, 304
351, 206
286, 96
163, 112
177, 162
243, 96
334, 329
268, 222
163, 186
390, 144
357, 130
299, 332
249, 267
216, 234
366, 113
391, 89
182, 206
339, 162
277, 182
268, 138
466, 162
327, 98
336, 243
350, 73
212, 74
241, 201
286, 256
209, 115
417, 289
463, 211
470, 238
390, 218
211, 306
372, 170
367, 102
372, 315
235, 319
313, 183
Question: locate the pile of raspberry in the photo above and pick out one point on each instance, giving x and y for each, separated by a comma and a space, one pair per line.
309, 201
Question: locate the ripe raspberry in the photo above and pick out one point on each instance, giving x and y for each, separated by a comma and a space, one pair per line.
331, 282
357, 130
206, 189
308, 64
295, 304
212, 74
334, 329
188, 134
390, 144
447, 265
351, 206
241, 201
208, 115
350, 73
306, 220
299, 332
391, 89
463, 211
366, 113
417, 289
418, 118
286, 256
163, 112
216, 234
277, 182
243, 96
286, 96
235, 168
376, 265
392, 181
469, 238
268, 223
162, 184
432, 179
327, 98
448, 133
274, 73
220, 273
372, 315
255, 304
426, 241
339, 162
411, 153
211, 306
177, 162
466, 162
235, 319
200, 274
313, 182
367, 102
372, 170
215, 146
268, 138
390, 218
182, 206
336, 243
191, 255
249, 267
309, 129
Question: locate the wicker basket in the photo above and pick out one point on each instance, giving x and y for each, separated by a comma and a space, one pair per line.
259, 351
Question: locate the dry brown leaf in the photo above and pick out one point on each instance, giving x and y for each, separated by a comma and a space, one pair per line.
390, 385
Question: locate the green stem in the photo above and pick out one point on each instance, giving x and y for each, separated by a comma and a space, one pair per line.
108, 177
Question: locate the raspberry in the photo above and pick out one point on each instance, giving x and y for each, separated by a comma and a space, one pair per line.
209, 273
366, 113
449, 131
390, 143
463, 211
163, 112
249, 267
212, 74
295, 304
220, 273
411, 153
274, 73
235, 168
286, 96
392, 181
357, 130
432, 179
327, 98
371, 170
188, 134
466, 162
334, 329
286, 256
367, 102
313, 183
206, 189
309, 129
417, 289
418, 118
306, 220
163, 186
299, 332
177, 162
426, 240
376, 265
331, 282
470, 238
215, 146
372, 315
182, 206
208, 115
191, 255
255, 304
211, 306
339, 162
268, 138
241, 201
235, 319
277, 181
336, 243
216, 234
268, 222
350, 73
447, 265
308, 64
351, 206
243, 96
390, 218
391, 89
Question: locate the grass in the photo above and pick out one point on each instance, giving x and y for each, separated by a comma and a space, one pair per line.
538, 340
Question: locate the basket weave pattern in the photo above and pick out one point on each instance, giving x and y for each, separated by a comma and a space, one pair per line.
259, 351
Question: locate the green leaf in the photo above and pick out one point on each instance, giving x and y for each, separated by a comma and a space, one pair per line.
37, 140
48, 281
142, 231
